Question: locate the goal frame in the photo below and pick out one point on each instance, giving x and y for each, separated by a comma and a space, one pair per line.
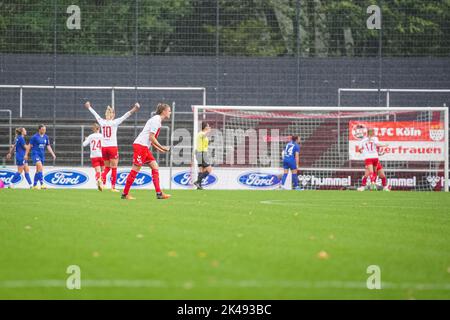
196, 109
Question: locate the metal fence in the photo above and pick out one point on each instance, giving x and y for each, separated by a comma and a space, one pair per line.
255, 52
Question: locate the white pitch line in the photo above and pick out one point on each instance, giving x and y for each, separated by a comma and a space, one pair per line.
145, 283
280, 202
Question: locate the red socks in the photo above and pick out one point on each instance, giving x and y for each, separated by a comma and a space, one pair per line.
384, 181
132, 176
113, 177
155, 177
130, 180
97, 175
104, 174
373, 177
364, 181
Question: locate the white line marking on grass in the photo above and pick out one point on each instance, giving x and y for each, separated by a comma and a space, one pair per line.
145, 283
280, 202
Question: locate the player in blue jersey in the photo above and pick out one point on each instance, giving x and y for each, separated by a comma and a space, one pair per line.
38, 143
291, 161
20, 147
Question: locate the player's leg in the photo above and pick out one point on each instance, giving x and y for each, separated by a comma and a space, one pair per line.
130, 179
38, 176
155, 177
16, 176
206, 170
372, 176
284, 177
383, 180
98, 179
198, 182
295, 178
285, 174
141, 155
106, 160
41, 176
27, 174
364, 179
114, 163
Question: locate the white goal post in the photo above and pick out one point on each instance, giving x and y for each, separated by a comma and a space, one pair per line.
418, 151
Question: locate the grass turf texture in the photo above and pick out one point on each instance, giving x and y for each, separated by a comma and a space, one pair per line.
224, 244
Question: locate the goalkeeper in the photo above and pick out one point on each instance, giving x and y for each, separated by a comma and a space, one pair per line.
201, 154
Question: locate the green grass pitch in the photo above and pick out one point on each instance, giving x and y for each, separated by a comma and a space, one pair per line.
224, 244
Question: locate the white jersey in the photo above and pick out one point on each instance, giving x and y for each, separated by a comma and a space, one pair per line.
109, 128
153, 125
369, 147
95, 142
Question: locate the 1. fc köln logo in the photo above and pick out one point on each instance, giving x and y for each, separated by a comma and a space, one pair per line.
437, 134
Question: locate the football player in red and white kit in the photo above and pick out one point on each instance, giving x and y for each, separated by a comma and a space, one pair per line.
142, 154
110, 152
369, 147
95, 142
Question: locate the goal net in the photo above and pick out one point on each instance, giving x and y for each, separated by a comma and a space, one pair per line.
251, 139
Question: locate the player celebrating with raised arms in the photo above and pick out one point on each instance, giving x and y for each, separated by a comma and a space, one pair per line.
142, 154
291, 161
20, 147
110, 151
369, 147
38, 143
94, 140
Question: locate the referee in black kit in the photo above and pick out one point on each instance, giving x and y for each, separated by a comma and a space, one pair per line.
201, 154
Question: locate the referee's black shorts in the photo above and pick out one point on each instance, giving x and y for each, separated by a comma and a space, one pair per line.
202, 159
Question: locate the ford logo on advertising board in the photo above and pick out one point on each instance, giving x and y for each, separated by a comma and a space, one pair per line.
66, 178
184, 179
7, 175
258, 180
142, 179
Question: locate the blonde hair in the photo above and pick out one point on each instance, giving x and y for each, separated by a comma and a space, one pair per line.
95, 127
19, 131
109, 113
161, 107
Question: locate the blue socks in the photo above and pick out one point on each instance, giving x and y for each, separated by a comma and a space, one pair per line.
41, 178
17, 175
295, 180
27, 176
283, 180
38, 177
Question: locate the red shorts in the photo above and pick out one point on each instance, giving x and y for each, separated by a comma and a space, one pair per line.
374, 162
110, 153
97, 162
141, 155
379, 167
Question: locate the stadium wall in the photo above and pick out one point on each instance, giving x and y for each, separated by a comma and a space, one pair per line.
229, 81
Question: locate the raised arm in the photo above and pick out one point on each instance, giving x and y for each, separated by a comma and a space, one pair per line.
135, 108
88, 106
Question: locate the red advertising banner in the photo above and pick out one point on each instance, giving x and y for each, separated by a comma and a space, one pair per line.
405, 140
